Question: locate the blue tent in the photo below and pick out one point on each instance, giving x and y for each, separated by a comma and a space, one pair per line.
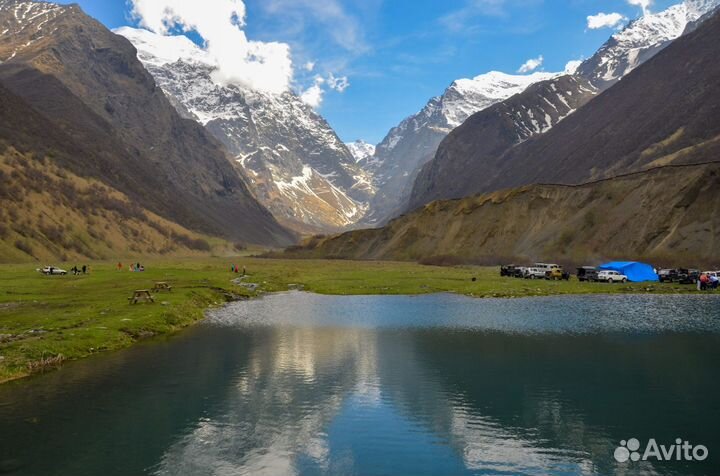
633, 270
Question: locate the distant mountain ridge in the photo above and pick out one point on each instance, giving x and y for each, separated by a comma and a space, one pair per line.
474, 158
473, 149
413, 142
361, 150
641, 40
295, 163
87, 81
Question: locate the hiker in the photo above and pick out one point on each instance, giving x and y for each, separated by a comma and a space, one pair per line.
243, 271
84, 269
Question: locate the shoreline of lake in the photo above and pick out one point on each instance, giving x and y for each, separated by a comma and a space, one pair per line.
80, 316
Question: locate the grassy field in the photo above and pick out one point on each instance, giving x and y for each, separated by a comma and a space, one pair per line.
45, 320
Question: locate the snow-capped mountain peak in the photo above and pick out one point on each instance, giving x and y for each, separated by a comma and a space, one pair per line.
413, 142
465, 97
293, 160
160, 50
361, 150
640, 40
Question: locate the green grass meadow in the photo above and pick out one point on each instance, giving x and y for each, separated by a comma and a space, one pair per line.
45, 320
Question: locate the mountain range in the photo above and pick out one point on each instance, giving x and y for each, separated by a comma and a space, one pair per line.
125, 141
633, 172
625, 50
295, 164
483, 146
118, 127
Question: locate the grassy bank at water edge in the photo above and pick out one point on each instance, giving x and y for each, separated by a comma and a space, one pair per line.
45, 320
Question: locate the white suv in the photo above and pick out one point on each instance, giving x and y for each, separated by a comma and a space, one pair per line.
534, 273
610, 276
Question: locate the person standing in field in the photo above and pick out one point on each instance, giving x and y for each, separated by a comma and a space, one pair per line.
119, 266
84, 269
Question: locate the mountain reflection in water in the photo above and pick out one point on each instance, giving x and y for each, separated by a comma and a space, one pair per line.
303, 384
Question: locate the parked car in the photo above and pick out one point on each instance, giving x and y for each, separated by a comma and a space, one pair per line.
587, 273
557, 274
610, 276
507, 270
547, 266
520, 272
534, 273
687, 276
668, 275
52, 270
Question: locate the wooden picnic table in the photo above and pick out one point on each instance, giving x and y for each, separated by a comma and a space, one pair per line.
141, 295
162, 286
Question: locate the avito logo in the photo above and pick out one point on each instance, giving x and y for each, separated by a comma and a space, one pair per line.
680, 451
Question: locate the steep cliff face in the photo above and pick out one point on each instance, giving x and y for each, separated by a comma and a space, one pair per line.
88, 82
295, 163
472, 150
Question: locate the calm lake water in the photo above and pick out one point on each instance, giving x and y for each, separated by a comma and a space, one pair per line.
298, 383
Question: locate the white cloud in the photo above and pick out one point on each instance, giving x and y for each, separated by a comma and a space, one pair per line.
339, 84
572, 66
605, 20
309, 66
644, 4
531, 65
313, 96
264, 66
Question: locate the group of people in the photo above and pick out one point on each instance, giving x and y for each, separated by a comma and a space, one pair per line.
707, 281
234, 269
85, 269
132, 267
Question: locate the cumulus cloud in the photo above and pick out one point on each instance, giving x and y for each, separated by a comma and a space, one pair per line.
339, 84
531, 65
309, 66
605, 20
263, 66
572, 66
313, 96
644, 4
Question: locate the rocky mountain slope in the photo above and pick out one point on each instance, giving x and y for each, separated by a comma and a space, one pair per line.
473, 148
87, 81
641, 40
649, 115
49, 213
664, 112
412, 143
295, 163
623, 52
361, 150
648, 149
666, 215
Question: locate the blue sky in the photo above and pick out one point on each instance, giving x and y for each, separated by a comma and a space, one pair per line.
397, 54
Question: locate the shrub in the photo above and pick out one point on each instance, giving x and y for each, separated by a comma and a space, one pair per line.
193, 243
24, 246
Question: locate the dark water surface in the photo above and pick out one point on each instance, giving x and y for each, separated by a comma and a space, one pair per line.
303, 384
